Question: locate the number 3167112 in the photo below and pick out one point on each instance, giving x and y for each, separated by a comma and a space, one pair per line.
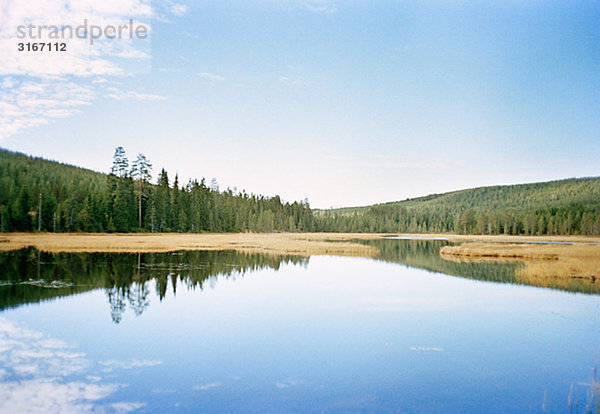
41, 47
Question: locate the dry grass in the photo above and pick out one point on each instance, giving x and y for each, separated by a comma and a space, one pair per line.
543, 262
507, 238
302, 244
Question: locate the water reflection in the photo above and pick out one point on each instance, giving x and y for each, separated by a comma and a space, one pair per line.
42, 374
424, 254
29, 276
344, 334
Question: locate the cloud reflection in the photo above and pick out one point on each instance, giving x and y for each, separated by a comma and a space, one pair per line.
208, 386
37, 376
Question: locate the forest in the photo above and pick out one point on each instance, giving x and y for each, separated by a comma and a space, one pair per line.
48, 196
41, 195
563, 207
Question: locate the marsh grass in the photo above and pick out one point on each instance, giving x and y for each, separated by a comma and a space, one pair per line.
592, 397
301, 244
544, 264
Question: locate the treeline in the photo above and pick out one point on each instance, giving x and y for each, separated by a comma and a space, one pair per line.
41, 195
569, 220
562, 207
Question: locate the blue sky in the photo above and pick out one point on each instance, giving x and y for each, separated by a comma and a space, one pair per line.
343, 103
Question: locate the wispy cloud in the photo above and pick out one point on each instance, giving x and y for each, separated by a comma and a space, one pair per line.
30, 104
80, 58
179, 9
287, 383
127, 407
113, 364
426, 348
206, 387
292, 82
321, 6
211, 76
50, 86
114, 93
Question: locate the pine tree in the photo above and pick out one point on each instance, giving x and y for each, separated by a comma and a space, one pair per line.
120, 166
140, 172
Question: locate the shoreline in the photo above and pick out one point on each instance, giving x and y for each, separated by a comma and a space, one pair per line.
544, 257
577, 260
288, 243
300, 244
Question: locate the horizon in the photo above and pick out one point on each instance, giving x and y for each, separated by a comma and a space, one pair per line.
344, 103
171, 178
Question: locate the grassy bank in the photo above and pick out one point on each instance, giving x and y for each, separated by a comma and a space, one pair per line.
543, 262
580, 259
303, 244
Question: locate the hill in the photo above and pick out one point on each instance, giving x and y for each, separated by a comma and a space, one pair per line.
570, 206
42, 195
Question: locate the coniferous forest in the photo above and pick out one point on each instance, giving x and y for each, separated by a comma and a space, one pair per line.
47, 196
41, 195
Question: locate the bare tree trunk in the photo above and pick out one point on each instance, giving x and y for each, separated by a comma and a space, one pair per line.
140, 210
40, 214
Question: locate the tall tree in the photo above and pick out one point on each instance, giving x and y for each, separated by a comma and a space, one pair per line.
120, 166
141, 173
162, 201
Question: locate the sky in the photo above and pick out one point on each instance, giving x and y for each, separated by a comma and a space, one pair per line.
341, 102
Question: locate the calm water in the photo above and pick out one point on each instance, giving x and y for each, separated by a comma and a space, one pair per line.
230, 332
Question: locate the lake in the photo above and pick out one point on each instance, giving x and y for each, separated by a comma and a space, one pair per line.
233, 332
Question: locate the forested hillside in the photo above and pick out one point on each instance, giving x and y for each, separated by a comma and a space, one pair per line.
558, 207
41, 195
36, 194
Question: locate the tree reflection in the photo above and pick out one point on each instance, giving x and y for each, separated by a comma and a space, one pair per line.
116, 299
139, 299
29, 276
126, 278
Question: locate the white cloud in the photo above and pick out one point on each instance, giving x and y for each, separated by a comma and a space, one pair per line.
321, 6
121, 95
426, 348
8, 83
113, 364
208, 386
60, 113
52, 84
32, 103
179, 9
132, 54
292, 82
287, 383
211, 76
126, 407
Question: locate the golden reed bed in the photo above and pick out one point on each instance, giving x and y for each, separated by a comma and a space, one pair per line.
542, 261
302, 244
